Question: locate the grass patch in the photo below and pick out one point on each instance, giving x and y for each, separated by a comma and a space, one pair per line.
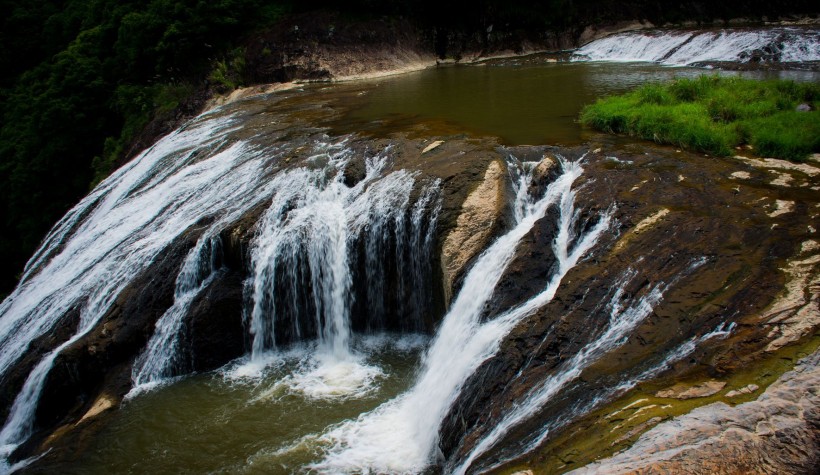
714, 115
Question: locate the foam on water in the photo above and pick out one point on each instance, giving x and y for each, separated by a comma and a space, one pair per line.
324, 376
112, 235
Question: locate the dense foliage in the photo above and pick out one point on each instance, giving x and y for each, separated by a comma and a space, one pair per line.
81, 78
716, 114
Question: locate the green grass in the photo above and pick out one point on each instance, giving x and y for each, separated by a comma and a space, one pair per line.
714, 115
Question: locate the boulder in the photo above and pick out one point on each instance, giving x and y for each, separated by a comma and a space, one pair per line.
474, 226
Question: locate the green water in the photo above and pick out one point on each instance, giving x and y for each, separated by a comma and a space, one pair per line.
523, 101
218, 423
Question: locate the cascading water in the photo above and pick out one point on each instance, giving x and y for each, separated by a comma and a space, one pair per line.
621, 323
161, 359
681, 47
198, 180
401, 435
113, 234
304, 259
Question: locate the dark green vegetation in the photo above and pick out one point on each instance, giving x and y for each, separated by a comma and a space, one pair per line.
82, 79
713, 114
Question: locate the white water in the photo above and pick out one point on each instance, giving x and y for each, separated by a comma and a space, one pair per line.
622, 321
680, 47
161, 358
115, 233
621, 324
308, 237
118, 230
401, 435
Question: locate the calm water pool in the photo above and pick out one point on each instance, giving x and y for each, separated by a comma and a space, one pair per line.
523, 102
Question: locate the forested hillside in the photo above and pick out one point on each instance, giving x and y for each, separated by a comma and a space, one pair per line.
82, 78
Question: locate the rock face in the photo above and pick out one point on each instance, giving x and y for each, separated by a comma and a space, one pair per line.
778, 433
701, 233
475, 226
797, 312
100, 362
326, 46
715, 255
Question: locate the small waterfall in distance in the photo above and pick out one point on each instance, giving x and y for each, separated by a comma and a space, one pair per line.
682, 47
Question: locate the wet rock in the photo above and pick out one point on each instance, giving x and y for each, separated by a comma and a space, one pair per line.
102, 404
545, 169
100, 361
742, 391
354, 172
433, 145
690, 245
12, 382
215, 333
796, 313
474, 226
775, 434
684, 391
643, 226
781, 207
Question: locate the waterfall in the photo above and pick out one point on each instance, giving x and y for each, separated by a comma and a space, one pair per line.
161, 358
401, 435
305, 255
302, 255
681, 47
621, 323
115, 233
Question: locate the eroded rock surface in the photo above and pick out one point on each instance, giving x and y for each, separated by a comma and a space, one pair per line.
707, 242
685, 391
474, 226
776, 434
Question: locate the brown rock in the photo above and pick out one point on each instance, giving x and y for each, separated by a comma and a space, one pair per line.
744, 390
683, 391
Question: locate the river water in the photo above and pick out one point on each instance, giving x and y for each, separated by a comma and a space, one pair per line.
523, 101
